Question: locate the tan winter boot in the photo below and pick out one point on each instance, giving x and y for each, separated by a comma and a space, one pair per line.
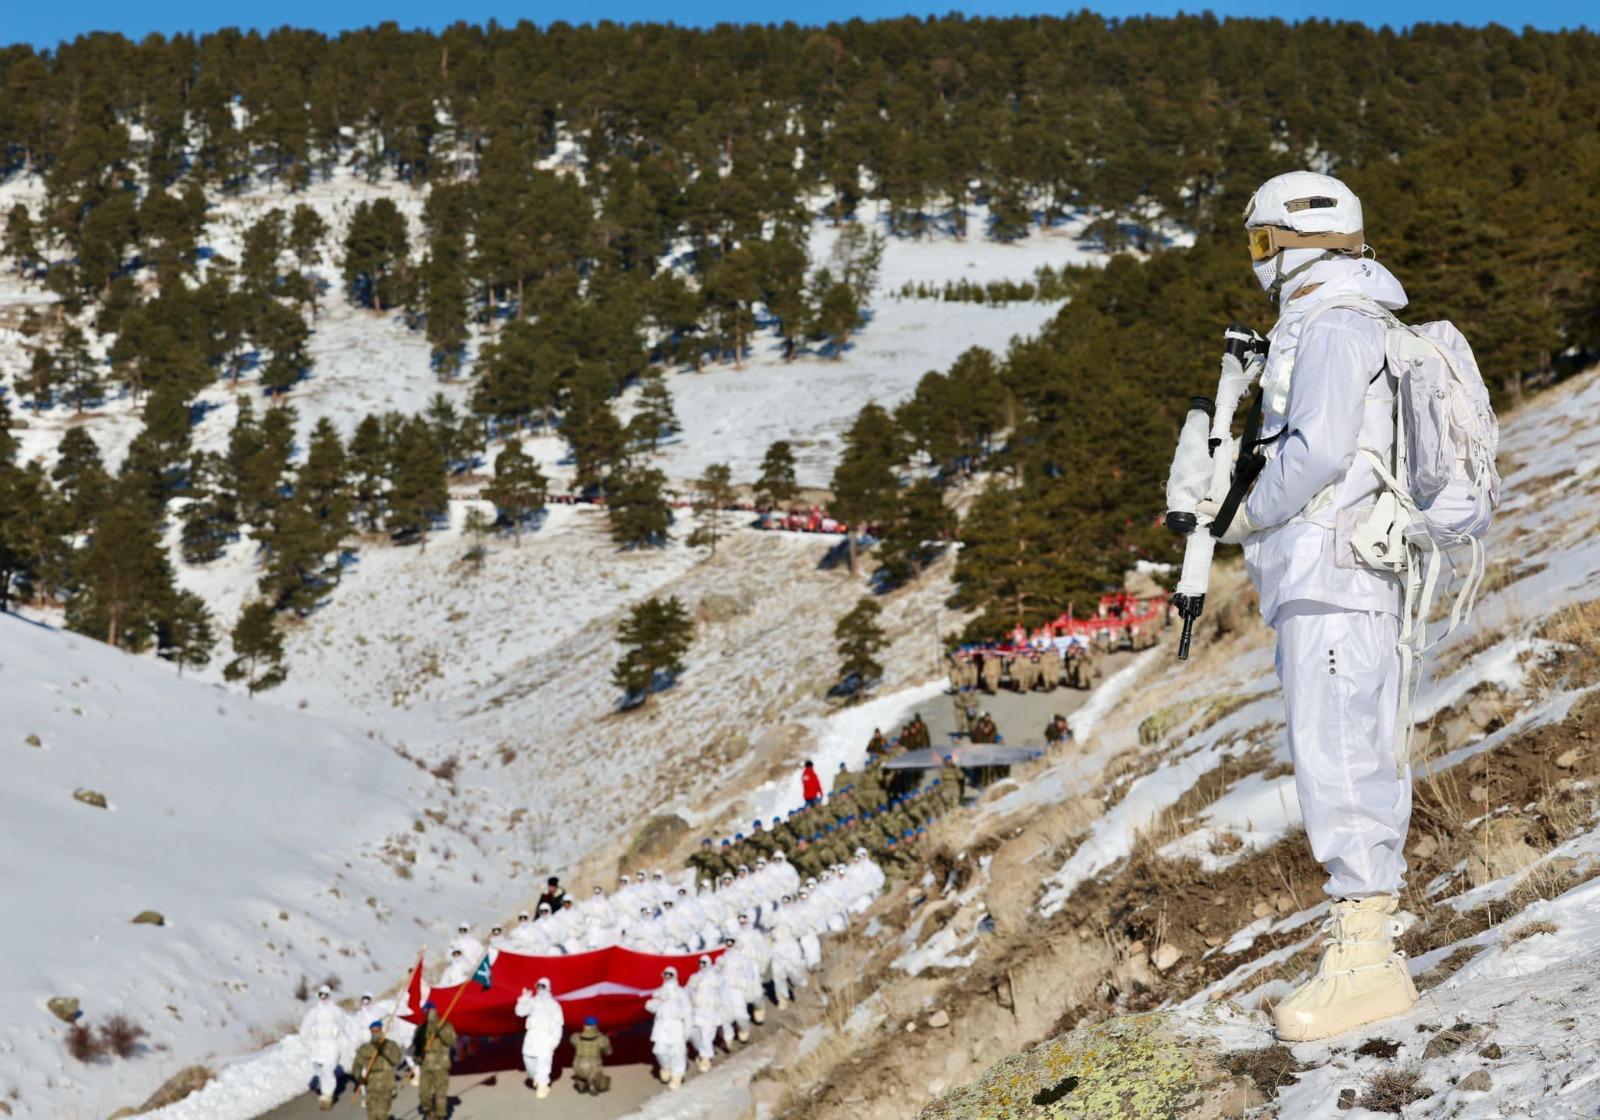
542, 1092
759, 1015
676, 1082
782, 1003
703, 1065
1360, 978
744, 1034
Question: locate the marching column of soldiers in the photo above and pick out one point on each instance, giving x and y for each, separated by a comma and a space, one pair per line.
859, 812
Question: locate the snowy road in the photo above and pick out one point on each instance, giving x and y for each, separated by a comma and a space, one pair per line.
493, 1096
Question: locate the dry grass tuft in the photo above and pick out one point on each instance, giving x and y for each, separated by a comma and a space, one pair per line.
1269, 1068
1531, 929
1390, 1090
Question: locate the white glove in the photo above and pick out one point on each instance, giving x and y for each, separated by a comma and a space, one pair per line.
1237, 531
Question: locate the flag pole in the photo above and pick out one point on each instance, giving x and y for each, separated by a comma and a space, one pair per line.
387, 1023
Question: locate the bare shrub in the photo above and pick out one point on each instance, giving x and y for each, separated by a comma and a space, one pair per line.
302, 990
446, 771
83, 1044
1391, 1089
121, 1035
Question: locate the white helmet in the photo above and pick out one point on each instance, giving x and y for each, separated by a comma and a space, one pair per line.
1304, 202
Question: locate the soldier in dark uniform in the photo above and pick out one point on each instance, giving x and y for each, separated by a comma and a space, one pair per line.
377, 1062
590, 1049
953, 781
435, 1045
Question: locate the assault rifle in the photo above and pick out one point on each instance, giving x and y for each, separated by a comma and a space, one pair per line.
1211, 466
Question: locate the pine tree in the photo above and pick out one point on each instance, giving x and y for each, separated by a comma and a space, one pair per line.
77, 371
919, 526
258, 650
859, 640
518, 489
419, 493
370, 459
185, 634
836, 312
376, 252
322, 487
713, 495
80, 478
8, 442
26, 542
259, 457
777, 482
865, 487
512, 383
637, 507
124, 581
476, 527
211, 515
20, 243
597, 441
656, 416
307, 231
41, 379
455, 436
258, 263
655, 636
296, 547
283, 334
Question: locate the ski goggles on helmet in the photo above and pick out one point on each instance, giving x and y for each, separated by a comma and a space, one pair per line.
1269, 241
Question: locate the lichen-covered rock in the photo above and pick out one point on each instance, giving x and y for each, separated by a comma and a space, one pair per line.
64, 1008
90, 797
1133, 1068
187, 1080
149, 918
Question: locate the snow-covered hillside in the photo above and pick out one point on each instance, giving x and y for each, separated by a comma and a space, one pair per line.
261, 837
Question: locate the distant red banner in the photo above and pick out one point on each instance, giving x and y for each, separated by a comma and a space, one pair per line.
609, 984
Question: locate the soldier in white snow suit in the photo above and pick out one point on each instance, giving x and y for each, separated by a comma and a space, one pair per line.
470, 946
1329, 397
542, 1029
669, 1032
323, 1031
788, 959
706, 1007
741, 984
356, 1032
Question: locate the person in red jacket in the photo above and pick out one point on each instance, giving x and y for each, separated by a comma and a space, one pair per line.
810, 784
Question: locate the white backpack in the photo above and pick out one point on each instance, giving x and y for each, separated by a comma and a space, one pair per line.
1441, 484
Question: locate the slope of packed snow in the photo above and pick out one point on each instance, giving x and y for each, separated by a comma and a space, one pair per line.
257, 833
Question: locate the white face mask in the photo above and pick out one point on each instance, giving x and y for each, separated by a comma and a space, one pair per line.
1266, 272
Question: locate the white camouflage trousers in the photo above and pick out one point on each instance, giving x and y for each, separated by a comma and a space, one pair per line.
1341, 679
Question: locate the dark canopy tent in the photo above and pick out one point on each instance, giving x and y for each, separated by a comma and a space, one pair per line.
983, 764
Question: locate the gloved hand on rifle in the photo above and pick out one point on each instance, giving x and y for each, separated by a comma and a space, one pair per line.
1237, 530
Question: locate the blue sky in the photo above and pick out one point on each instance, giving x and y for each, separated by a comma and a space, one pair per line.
44, 23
